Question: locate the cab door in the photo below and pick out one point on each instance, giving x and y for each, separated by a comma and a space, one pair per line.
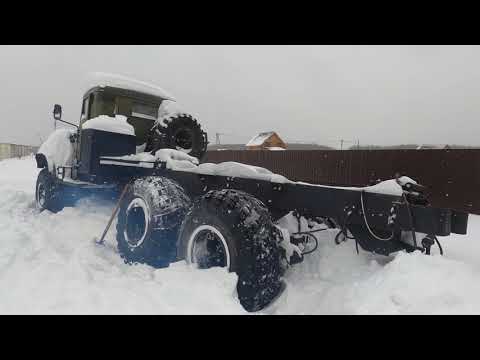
84, 116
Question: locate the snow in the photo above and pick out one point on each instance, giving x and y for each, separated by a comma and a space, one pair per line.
405, 180
114, 80
49, 264
117, 124
390, 187
169, 109
58, 149
174, 159
140, 148
387, 187
180, 161
260, 138
234, 169
286, 244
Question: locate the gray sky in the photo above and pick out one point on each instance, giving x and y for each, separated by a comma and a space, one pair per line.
377, 94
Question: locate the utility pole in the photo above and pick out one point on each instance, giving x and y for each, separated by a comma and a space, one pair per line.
217, 137
343, 141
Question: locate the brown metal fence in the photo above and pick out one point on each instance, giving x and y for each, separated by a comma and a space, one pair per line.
453, 176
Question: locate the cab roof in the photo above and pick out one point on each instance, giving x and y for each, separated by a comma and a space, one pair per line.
120, 82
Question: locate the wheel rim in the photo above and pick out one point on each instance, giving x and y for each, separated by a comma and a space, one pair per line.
41, 195
207, 248
137, 221
184, 140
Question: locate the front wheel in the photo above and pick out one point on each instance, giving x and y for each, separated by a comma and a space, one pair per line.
232, 229
48, 194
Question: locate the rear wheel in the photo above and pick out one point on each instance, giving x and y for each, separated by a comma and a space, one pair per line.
234, 230
149, 219
48, 194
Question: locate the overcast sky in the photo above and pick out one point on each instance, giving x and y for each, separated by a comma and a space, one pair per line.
376, 94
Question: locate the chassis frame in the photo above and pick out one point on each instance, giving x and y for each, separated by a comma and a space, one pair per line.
383, 213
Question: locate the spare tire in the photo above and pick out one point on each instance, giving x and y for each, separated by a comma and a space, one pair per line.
180, 132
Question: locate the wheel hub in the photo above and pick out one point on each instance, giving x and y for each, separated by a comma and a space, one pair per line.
208, 248
41, 195
136, 223
183, 139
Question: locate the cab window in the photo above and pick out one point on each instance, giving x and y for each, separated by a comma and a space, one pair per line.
145, 111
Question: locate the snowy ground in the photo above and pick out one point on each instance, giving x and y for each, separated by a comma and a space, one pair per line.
50, 264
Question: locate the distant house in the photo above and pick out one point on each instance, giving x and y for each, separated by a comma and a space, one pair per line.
266, 141
428, 147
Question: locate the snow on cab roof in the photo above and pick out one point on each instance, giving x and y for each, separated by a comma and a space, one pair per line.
260, 138
114, 80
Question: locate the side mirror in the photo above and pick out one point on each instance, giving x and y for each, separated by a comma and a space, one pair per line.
57, 112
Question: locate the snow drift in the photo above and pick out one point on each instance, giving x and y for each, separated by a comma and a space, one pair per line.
49, 264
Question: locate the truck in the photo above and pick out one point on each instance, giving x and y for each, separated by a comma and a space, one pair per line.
134, 144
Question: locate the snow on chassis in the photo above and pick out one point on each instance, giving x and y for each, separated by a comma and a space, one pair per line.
134, 143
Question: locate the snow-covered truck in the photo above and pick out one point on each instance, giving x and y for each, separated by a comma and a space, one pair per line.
134, 143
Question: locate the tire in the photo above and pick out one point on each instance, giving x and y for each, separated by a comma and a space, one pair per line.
149, 219
180, 132
48, 194
242, 225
